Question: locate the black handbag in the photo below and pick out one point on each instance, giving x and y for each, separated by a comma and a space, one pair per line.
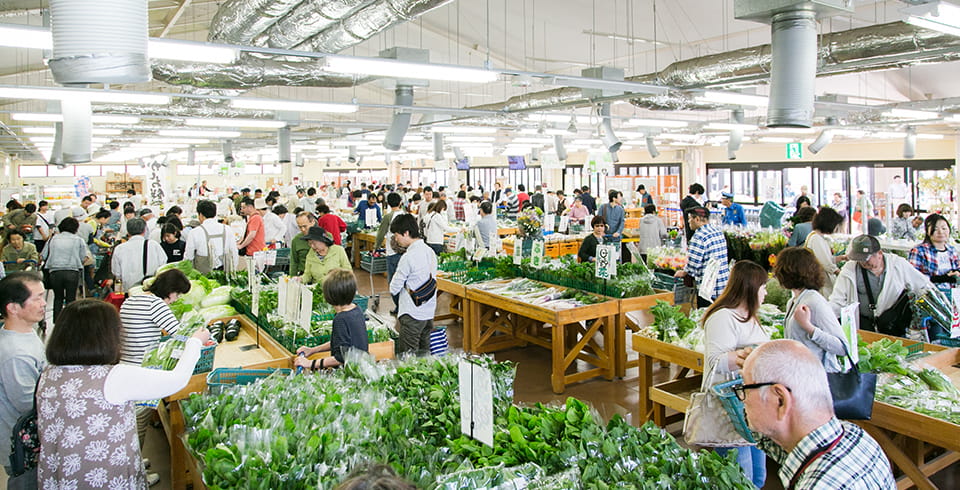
424, 293
852, 392
25, 441
894, 321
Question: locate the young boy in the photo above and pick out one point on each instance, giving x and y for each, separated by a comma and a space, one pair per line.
349, 325
172, 244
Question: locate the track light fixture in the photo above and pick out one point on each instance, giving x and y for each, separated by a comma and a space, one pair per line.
352, 154
823, 139
572, 128
458, 153
734, 143
191, 155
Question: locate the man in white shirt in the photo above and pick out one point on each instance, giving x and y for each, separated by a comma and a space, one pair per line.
43, 229
417, 267
210, 236
425, 203
128, 265
550, 203
273, 228
146, 214
290, 229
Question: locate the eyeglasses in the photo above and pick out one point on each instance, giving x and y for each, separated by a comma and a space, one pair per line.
741, 390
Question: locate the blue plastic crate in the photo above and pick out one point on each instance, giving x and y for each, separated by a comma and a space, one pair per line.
207, 353
734, 407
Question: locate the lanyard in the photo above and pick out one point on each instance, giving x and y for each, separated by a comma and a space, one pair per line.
813, 457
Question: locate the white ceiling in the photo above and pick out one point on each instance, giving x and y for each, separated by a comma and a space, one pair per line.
531, 35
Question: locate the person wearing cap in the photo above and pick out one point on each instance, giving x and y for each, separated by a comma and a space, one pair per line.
253, 238
733, 215
324, 256
706, 245
643, 197
870, 272
146, 214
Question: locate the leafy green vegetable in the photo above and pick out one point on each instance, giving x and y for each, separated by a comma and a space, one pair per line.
670, 323
883, 356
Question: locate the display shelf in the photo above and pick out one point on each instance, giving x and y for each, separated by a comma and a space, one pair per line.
457, 293
625, 324
362, 242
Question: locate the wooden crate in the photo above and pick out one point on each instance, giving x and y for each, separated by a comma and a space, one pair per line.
631, 223
570, 247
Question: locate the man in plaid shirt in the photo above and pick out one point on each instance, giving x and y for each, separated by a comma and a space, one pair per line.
707, 243
788, 404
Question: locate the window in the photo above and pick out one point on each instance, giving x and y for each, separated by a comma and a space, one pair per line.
272, 169
794, 182
742, 187
769, 186
67, 171
26, 171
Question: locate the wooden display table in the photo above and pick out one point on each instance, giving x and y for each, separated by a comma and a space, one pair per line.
506, 231
362, 242
457, 294
184, 469
909, 439
495, 322
628, 305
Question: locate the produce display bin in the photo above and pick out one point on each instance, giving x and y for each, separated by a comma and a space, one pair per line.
207, 354
221, 377
373, 265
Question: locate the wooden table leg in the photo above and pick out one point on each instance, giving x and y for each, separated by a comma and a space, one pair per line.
645, 377
616, 350
897, 457
173, 424
558, 350
620, 345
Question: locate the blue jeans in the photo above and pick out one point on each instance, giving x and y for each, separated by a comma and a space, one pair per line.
392, 262
752, 460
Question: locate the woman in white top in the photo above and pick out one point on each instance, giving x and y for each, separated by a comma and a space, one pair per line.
731, 329
85, 400
825, 223
810, 319
435, 224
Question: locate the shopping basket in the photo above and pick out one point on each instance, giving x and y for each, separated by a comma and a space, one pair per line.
734, 407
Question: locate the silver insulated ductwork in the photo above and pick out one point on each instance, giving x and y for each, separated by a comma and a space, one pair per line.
401, 119
325, 26
793, 69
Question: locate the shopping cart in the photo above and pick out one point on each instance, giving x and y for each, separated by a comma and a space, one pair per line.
374, 264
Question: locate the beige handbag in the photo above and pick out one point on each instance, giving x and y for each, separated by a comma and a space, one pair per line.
706, 422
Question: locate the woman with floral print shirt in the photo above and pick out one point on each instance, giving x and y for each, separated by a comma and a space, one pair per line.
85, 411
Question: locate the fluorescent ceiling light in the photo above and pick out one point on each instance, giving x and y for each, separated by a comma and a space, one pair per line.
469, 139
170, 49
733, 98
110, 96
475, 144
888, 134
539, 141
938, 16
51, 117
911, 114
586, 141
730, 126
679, 136
292, 105
198, 133
33, 37
49, 139
622, 37
100, 131
549, 131
235, 122
776, 139
402, 69
175, 141
463, 129
791, 130
560, 118
849, 133
930, 136
655, 123
157, 145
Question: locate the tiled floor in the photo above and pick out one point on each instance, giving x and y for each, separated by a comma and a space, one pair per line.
532, 385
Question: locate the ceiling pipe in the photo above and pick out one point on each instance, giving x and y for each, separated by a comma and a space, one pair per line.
910, 143
652, 147
437, 147
824, 138
228, 151
793, 69
56, 154
77, 130
558, 145
610, 139
283, 145
403, 96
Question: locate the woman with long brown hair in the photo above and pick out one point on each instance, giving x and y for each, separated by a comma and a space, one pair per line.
731, 329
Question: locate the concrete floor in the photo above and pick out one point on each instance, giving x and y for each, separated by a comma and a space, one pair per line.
532, 385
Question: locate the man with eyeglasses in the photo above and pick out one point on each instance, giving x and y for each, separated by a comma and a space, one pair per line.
879, 282
787, 400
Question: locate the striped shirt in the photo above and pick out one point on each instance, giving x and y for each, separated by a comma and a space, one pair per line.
856, 462
708, 244
143, 317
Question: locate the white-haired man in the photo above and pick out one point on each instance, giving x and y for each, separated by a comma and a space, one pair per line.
787, 400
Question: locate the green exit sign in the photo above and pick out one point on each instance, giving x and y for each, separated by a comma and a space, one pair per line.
794, 151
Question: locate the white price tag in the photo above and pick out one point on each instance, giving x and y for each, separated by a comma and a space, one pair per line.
293, 302
955, 326
606, 261
517, 251
476, 402
548, 222
255, 307
260, 259
536, 254
370, 218
564, 224
252, 276
282, 296
270, 257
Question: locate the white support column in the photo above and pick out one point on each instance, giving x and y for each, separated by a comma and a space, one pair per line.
693, 170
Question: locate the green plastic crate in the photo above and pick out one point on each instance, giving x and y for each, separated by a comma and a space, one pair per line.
207, 354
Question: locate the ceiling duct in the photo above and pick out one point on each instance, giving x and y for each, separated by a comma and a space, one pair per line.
191, 155
256, 22
652, 147
77, 129
403, 96
437, 147
283, 145
793, 61
610, 139
228, 151
99, 41
558, 145
56, 154
910, 143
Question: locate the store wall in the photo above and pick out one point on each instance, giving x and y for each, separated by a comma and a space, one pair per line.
837, 151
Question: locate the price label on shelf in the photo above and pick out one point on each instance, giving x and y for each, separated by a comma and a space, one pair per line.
476, 402
536, 254
606, 261
548, 222
370, 218
564, 224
